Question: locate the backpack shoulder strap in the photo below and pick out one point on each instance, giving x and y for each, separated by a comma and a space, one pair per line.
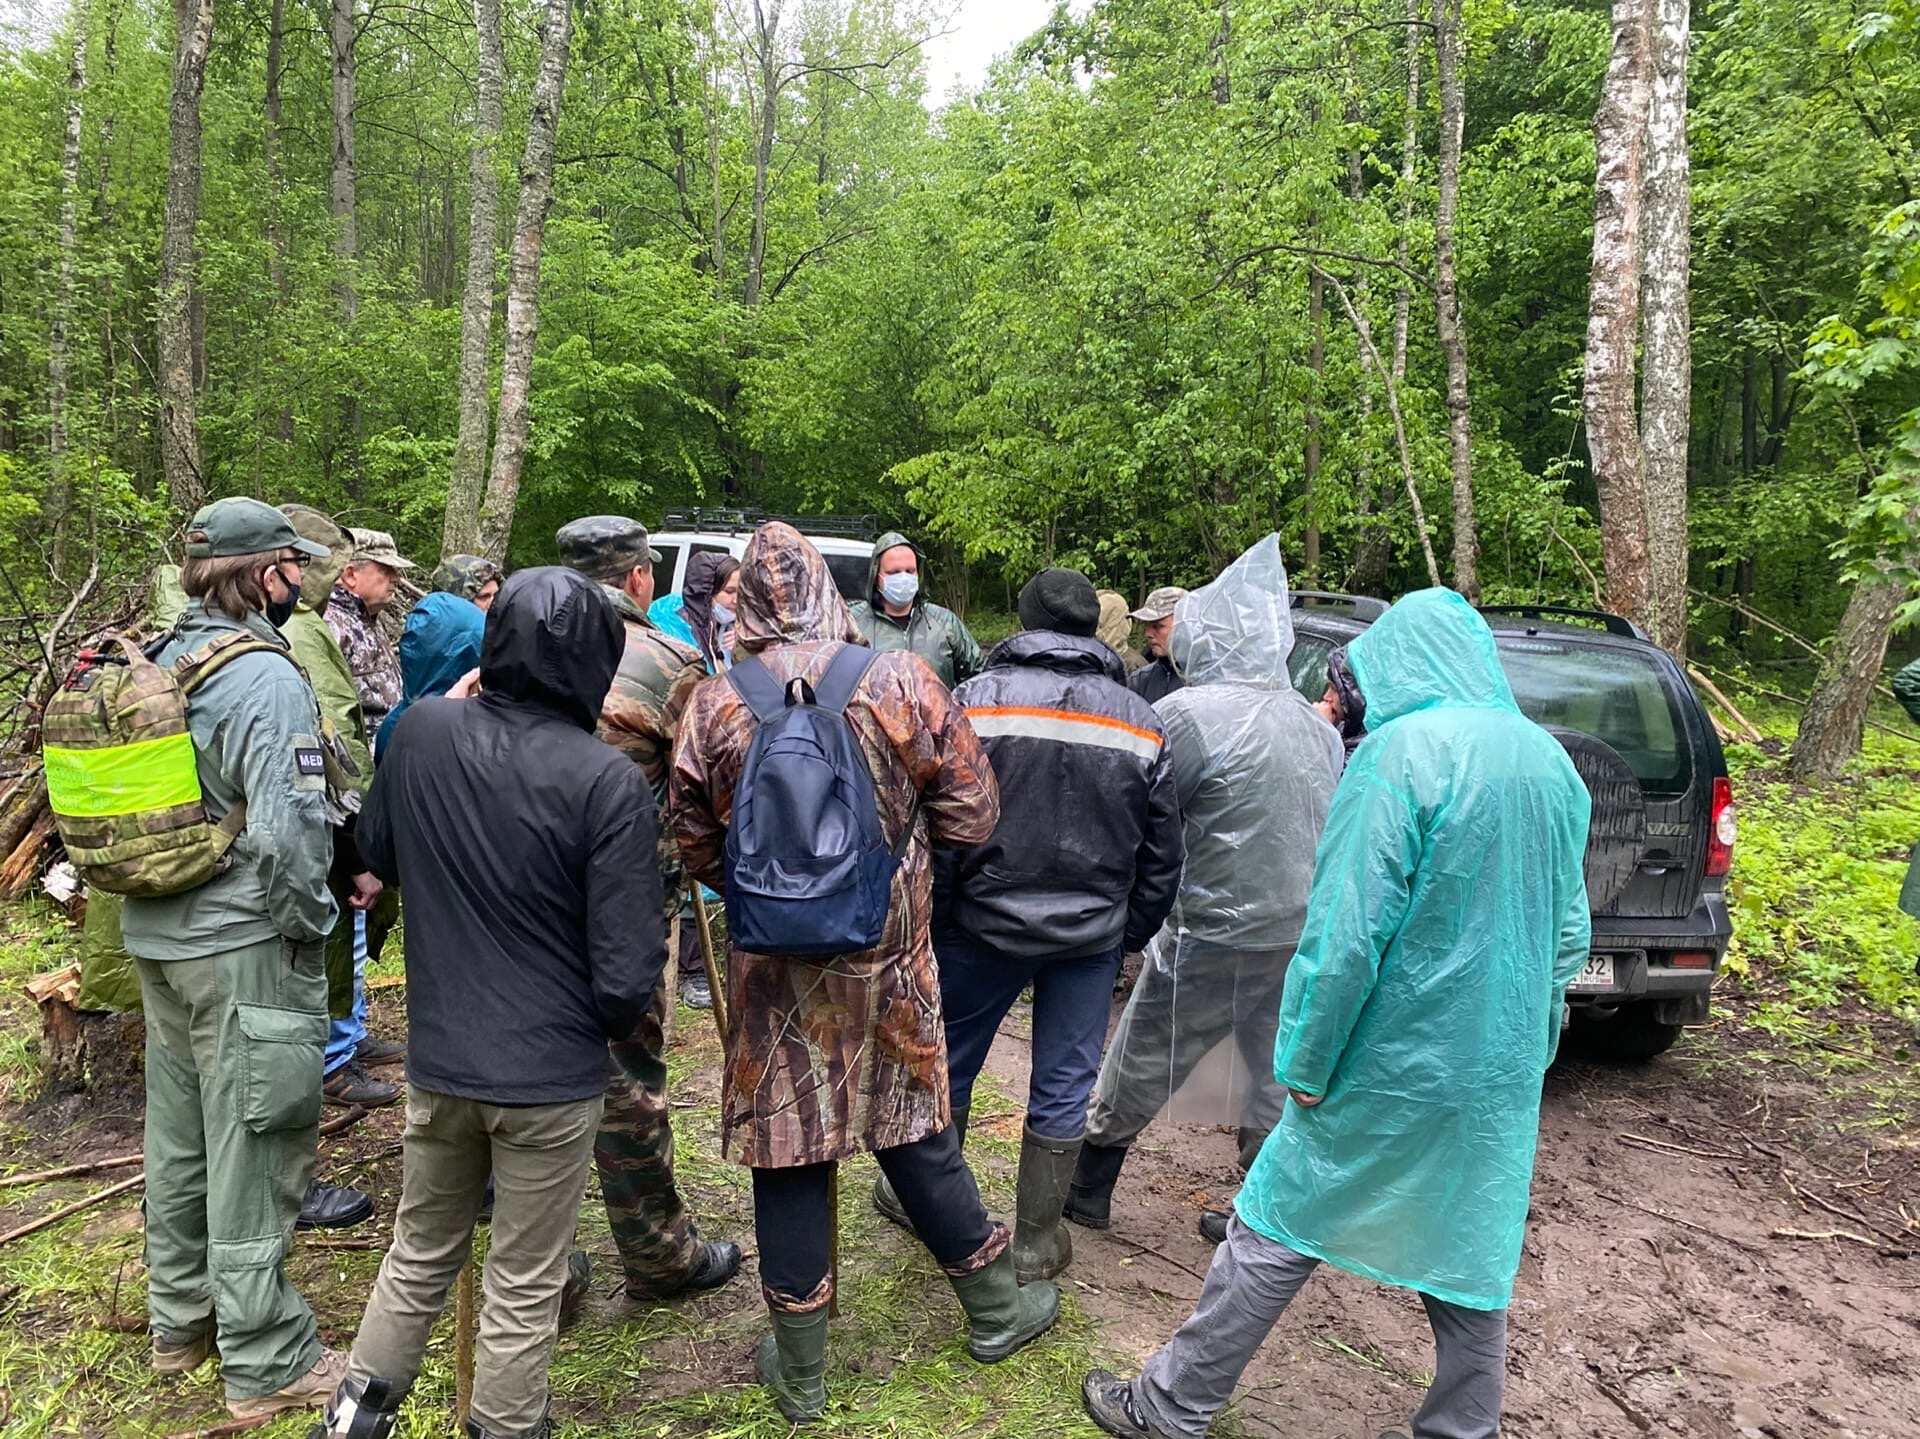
194, 669
843, 676
758, 689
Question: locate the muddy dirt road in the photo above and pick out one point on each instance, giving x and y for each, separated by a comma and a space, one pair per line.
1707, 1322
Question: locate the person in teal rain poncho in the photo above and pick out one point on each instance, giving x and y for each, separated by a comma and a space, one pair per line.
1447, 915
440, 644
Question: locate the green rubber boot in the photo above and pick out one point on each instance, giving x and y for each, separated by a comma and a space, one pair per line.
888, 1203
793, 1363
1042, 1247
1006, 1314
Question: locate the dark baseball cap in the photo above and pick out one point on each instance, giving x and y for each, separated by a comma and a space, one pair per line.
604, 547
242, 526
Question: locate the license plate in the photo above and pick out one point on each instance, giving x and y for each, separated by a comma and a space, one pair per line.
1597, 973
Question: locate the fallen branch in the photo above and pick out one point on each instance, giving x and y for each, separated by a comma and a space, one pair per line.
1826, 1234
1752, 735
1802, 704
232, 1426
1620, 1402
346, 1121
74, 1208
1641, 1141
1664, 1218
70, 1171
1838, 1213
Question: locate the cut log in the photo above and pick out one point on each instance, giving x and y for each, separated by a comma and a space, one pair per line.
83, 1049
21, 871
26, 801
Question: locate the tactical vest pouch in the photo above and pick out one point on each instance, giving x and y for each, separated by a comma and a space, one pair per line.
121, 777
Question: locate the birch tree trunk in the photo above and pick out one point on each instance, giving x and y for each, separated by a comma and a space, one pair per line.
766, 22
179, 413
1317, 362
346, 238
60, 482
1449, 322
270, 141
1409, 160
1666, 379
1831, 729
523, 281
1613, 317
461, 532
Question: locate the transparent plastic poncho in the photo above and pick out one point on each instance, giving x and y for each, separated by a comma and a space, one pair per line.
1255, 766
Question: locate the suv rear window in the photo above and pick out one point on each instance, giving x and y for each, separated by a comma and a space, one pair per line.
850, 575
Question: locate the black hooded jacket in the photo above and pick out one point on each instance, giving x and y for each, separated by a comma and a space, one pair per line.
1089, 847
525, 848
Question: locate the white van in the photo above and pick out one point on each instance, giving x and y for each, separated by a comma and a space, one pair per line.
845, 542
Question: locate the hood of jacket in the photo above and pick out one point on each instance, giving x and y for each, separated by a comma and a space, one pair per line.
1062, 653
1429, 648
552, 638
892, 540
1239, 629
440, 643
787, 594
706, 574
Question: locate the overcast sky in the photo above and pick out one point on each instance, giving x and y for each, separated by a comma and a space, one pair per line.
982, 31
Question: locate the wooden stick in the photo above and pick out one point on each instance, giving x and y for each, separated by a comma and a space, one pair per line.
670, 978
346, 1121
1802, 704
463, 1339
1828, 1234
74, 1208
704, 924
69, 1171
1641, 1141
1733, 711
232, 1426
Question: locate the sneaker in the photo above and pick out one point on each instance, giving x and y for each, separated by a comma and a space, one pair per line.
372, 1053
351, 1086
311, 1390
181, 1354
695, 992
1109, 1402
333, 1206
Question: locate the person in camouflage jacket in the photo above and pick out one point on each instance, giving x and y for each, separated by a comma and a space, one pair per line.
660, 1246
364, 589
472, 577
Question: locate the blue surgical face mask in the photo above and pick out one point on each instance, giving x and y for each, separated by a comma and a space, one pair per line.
899, 588
722, 616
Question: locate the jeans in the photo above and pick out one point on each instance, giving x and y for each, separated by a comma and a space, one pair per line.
1249, 1285
794, 1225
1071, 997
539, 1156
344, 1035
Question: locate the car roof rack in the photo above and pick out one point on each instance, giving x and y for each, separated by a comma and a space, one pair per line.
723, 521
1614, 624
1364, 607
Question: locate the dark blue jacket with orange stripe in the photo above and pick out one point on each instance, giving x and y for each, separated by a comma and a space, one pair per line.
1089, 848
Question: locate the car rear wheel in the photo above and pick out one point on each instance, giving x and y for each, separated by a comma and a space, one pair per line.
1628, 1035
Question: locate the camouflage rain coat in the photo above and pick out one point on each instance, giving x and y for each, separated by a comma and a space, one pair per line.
826, 1058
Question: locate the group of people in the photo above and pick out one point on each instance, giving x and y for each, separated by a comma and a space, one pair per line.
1378, 942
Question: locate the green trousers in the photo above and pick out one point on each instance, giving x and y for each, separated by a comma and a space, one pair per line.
234, 1045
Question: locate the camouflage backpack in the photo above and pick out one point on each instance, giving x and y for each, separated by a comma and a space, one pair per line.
121, 777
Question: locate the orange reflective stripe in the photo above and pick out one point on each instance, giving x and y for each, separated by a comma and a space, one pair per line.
1070, 716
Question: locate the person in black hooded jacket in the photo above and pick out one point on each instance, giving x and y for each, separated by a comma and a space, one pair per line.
1083, 867
534, 933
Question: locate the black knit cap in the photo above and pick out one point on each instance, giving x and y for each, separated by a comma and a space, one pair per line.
1061, 600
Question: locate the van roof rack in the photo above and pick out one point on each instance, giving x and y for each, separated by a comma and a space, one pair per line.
1613, 624
723, 521
1364, 607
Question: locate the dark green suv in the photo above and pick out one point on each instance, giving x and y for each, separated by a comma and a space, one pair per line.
1661, 839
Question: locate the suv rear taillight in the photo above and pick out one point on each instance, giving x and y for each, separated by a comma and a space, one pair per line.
1720, 835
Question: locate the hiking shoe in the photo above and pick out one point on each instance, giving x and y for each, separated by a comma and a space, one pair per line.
1109, 1402
333, 1206
695, 992
180, 1354
1004, 1314
574, 1292
350, 1086
311, 1390
1090, 1197
793, 1363
372, 1053
1213, 1225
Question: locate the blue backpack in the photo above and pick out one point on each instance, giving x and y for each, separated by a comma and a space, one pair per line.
809, 871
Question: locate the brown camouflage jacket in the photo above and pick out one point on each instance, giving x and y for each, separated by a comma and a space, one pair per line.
826, 1058
650, 689
376, 669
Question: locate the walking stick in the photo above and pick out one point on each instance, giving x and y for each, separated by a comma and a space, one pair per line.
463, 1338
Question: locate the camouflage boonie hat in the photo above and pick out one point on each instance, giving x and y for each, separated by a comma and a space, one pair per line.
377, 547
604, 547
1159, 604
310, 524
465, 575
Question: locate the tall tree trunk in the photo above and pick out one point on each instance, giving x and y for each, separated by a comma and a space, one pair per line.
1217, 53
1613, 319
276, 189
346, 236
59, 480
1835, 720
179, 278
1666, 379
1449, 322
523, 281
766, 20
1317, 362
461, 532
1409, 161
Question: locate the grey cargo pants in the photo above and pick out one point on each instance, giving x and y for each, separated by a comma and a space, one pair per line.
538, 1156
1252, 1280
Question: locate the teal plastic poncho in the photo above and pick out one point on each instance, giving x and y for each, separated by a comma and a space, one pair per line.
1447, 915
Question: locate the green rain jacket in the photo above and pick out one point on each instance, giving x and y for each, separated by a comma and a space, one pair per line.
1447, 915
934, 632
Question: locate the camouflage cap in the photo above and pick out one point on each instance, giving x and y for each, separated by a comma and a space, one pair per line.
1159, 604
377, 547
242, 526
604, 547
465, 575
